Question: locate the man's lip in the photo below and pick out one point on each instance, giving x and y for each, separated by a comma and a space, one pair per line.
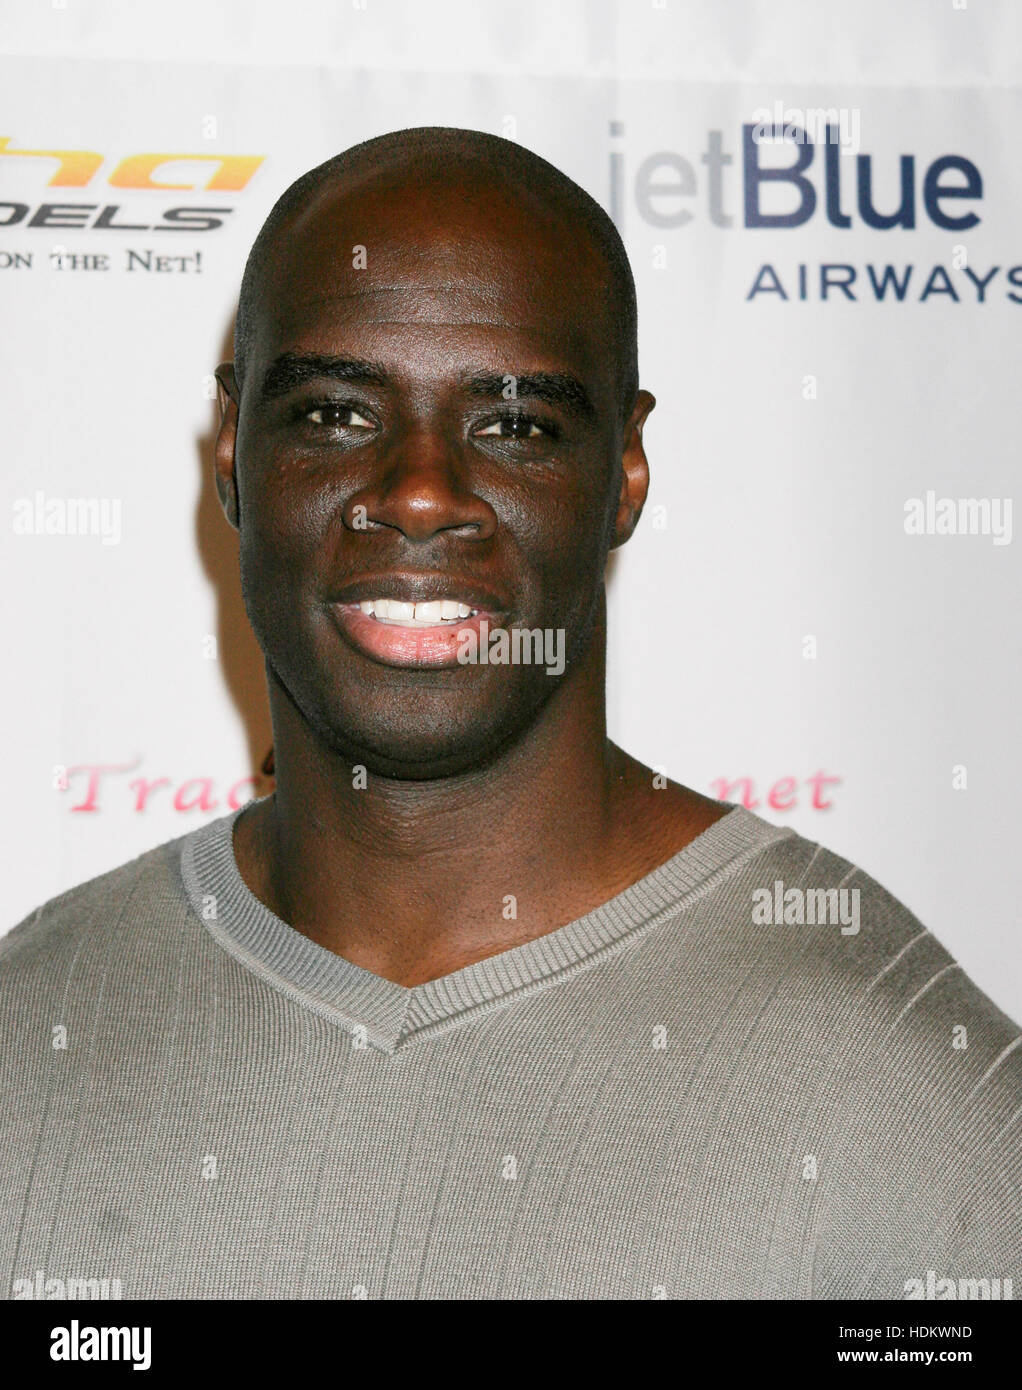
421, 588
391, 644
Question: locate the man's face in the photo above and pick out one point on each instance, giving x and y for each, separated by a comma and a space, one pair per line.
435, 418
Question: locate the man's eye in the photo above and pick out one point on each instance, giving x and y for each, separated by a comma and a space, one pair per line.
512, 427
337, 415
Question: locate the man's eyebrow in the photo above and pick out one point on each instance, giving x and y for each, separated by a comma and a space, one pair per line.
293, 369
556, 388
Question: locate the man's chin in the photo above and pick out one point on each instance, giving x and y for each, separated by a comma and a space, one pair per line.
429, 731
418, 757
419, 748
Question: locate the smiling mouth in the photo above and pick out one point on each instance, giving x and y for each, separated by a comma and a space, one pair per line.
433, 613
412, 633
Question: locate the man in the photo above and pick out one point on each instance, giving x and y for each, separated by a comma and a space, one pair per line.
474, 1005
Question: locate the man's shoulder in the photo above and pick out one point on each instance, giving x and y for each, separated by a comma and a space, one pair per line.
867, 973
143, 884
913, 1075
838, 917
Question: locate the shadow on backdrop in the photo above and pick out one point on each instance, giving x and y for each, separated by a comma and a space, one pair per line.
241, 660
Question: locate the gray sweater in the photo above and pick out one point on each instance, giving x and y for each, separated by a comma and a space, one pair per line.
723, 1083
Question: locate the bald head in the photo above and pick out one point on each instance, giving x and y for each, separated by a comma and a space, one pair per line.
422, 164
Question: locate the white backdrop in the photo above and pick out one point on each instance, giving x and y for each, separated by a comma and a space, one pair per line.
772, 620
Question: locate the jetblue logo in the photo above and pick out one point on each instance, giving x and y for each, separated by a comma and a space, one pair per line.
790, 169
790, 174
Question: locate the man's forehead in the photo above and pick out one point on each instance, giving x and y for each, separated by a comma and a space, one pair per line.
362, 275
436, 304
362, 316
409, 353
434, 239
476, 271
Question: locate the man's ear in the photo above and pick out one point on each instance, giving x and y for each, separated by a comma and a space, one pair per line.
634, 470
224, 472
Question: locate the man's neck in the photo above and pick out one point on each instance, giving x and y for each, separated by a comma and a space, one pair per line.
413, 880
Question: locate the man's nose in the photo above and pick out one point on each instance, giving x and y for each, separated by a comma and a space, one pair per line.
421, 487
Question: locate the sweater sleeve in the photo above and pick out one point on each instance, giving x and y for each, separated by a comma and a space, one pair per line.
926, 1183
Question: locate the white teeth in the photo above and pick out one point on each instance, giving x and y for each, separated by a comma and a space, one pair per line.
395, 608
427, 614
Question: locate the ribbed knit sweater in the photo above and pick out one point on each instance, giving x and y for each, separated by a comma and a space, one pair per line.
686, 1093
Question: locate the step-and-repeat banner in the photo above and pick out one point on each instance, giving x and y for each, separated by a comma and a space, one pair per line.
818, 615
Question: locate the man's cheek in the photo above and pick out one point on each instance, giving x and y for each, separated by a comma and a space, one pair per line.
279, 539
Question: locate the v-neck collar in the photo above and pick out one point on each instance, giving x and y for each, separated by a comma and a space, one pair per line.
389, 1014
